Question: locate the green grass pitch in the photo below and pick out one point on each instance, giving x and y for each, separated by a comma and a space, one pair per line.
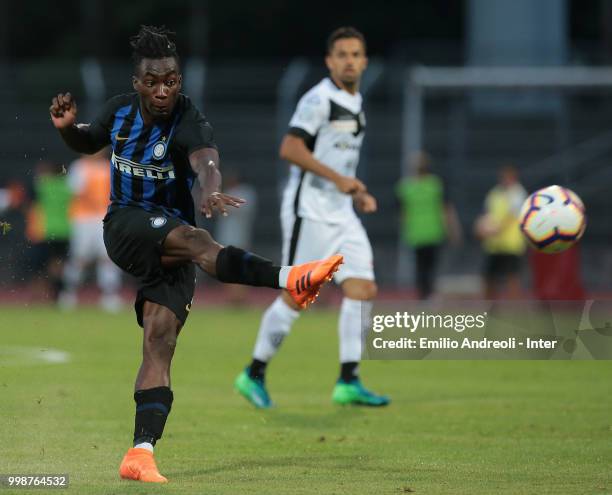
454, 427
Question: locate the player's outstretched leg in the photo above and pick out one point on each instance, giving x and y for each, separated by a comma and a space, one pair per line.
153, 396
355, 314
235, 266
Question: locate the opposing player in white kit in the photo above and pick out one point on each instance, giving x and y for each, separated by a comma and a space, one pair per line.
318, 219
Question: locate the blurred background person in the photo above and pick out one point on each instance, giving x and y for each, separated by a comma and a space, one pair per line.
428, 219
502, 240
48, 229
12, 196
13, 204
237, 229
12, 200
90, 188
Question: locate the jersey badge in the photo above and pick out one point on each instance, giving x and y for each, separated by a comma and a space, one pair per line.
159, 149
157, 222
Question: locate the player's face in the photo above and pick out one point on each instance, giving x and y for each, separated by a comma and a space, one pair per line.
347, 60
508, 177
158, 83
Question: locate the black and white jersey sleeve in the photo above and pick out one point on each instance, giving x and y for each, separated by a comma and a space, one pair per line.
311, 114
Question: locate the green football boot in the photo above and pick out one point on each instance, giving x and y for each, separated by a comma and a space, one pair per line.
353, 392
253, 390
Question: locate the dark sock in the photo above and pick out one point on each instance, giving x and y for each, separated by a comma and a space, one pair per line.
348, 371
57, 285
152, 408
257, 370
237, 266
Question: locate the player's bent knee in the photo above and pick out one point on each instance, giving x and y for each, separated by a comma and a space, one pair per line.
189, 243
369, 291
361, 290
196, 239
203, 246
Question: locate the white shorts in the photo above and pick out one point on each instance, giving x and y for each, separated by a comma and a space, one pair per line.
87, 240
307, 240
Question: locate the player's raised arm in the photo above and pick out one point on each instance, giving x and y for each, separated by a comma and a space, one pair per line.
205, 163
294, 150
78, 137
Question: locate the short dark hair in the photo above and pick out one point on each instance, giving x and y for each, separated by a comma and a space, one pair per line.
344, 33
152, 42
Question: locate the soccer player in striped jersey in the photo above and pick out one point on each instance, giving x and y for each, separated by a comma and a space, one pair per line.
318, 218
161, 144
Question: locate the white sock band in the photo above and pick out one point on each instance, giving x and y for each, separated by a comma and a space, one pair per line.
144, 445
283, 276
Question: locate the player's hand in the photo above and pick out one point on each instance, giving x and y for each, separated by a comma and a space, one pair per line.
63, 110
350, 185
219, 201
365, 202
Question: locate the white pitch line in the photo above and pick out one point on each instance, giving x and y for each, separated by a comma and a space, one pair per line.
28, 356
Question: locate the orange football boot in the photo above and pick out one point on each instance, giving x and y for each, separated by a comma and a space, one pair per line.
305, 281
139, 465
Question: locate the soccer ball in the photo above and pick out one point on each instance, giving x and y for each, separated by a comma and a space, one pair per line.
553, 219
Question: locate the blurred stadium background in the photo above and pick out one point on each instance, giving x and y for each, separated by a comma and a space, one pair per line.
246, 65
443, 78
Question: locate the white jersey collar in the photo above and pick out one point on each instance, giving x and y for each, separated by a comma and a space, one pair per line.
334, 87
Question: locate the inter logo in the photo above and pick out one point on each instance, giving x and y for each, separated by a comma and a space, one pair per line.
157, 222
159, 150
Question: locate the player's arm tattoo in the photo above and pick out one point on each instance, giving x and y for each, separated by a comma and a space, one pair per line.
79, 139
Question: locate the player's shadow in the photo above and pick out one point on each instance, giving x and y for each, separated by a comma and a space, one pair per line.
340, 417
311, 462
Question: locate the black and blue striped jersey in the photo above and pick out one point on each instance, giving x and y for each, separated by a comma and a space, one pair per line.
150, 163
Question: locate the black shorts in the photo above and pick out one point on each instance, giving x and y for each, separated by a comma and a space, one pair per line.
502, 265
133, 239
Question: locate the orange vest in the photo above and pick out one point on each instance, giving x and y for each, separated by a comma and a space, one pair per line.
93, 199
